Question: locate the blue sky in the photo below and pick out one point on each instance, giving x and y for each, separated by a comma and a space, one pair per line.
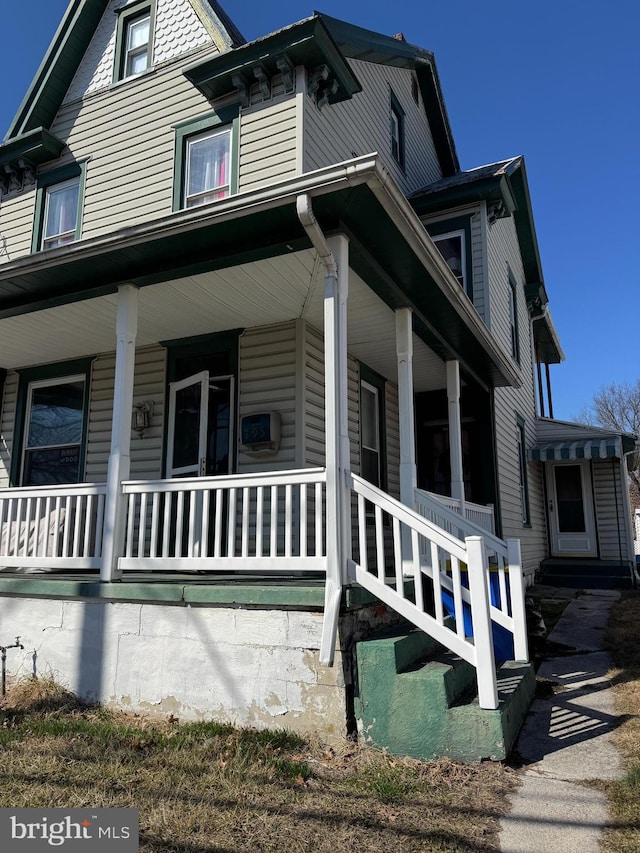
555, 80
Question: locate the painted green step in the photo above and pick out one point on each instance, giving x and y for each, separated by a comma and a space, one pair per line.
427, 708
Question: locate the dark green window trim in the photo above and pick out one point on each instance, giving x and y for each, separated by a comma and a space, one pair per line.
457, 223
225, 116
397, 123
378, 382
523, 478
513, 317
41, 374
50, 179
127, 14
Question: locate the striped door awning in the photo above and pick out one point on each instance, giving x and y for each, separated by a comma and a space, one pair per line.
585, 448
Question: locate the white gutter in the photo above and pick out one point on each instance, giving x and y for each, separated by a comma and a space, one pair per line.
314, 233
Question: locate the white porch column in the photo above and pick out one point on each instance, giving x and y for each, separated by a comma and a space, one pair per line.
455, 432
336, 435
404, 353
119, 458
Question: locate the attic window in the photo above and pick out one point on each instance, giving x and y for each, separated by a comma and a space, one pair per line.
134, 39
397, 131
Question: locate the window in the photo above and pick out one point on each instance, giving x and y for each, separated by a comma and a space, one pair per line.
453, 240
51, 420
134, 39
522, 461
451, 247
208, 164
513, 319
58, 207
206, 167
397, 131
372, 444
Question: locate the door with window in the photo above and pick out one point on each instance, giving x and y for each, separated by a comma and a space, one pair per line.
571, 513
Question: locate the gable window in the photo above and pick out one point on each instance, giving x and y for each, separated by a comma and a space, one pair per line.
397, 131
51, 420
206, 167
513, 319
522, 462
452, 238
372, 443
134, 39
58, 207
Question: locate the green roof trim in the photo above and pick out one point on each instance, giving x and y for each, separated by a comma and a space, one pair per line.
307, 43
54, 76
368, 46
503, 185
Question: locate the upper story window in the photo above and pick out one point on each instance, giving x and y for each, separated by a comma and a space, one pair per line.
452, 238
134, 39
513, 319
58, 207
397, 131
206, 167
522, 464
452, 248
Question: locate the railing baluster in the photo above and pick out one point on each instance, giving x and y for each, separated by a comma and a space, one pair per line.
318, 522
99, 524
217, 543
502, 585
245, 522
142, 524
231, 523
191, 523
457, 596
56, 531
88, 515
166, 523
273, 543
27, 523
259, 519
397, 557
417, 571
303, 519
437, 583
204, 529
177, 545
153, 544
77, 521
379, 538
362, 533
130, 524
288, 521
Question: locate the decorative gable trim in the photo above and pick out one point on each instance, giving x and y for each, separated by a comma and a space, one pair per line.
20, 158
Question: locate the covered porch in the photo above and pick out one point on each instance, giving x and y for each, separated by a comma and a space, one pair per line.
339, 255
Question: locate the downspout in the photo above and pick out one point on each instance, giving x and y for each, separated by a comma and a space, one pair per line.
335, 420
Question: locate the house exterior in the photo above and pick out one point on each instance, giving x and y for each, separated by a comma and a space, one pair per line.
270, 362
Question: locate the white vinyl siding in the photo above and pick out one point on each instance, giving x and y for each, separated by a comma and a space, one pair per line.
268, 383
392, 429
16, 225
7, 421
268, 143
361, 125
314, 449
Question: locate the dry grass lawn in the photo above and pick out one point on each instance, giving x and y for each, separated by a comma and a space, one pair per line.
209, 788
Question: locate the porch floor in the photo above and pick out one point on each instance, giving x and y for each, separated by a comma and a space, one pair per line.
290, 591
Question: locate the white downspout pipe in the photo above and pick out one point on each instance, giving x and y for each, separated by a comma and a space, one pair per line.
336, 429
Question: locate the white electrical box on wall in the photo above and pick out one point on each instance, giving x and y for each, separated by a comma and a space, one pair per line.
260, 433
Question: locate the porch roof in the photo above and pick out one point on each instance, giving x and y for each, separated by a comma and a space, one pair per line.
389, 249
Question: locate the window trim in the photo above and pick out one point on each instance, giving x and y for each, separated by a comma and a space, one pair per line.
45, 182
447, 227
228, 116
42, 374
378, 383
525, 506
127, 15
513, 318
396, 111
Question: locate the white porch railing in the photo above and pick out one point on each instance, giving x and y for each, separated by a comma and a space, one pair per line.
428, 505
48, 527
257, 522
396, 545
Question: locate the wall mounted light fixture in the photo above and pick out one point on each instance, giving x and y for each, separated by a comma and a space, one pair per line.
142, 412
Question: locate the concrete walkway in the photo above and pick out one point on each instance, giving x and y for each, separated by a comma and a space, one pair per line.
566, 738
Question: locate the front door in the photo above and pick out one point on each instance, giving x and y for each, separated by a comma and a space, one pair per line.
571, 515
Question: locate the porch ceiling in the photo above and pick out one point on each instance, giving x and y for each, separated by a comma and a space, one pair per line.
261, 293
209, 254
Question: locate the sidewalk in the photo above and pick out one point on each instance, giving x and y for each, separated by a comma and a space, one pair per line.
566, 738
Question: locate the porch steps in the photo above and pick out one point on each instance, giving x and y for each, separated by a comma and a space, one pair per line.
585, 574
413, 697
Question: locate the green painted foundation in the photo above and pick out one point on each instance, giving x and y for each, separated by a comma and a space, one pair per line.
414, 698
